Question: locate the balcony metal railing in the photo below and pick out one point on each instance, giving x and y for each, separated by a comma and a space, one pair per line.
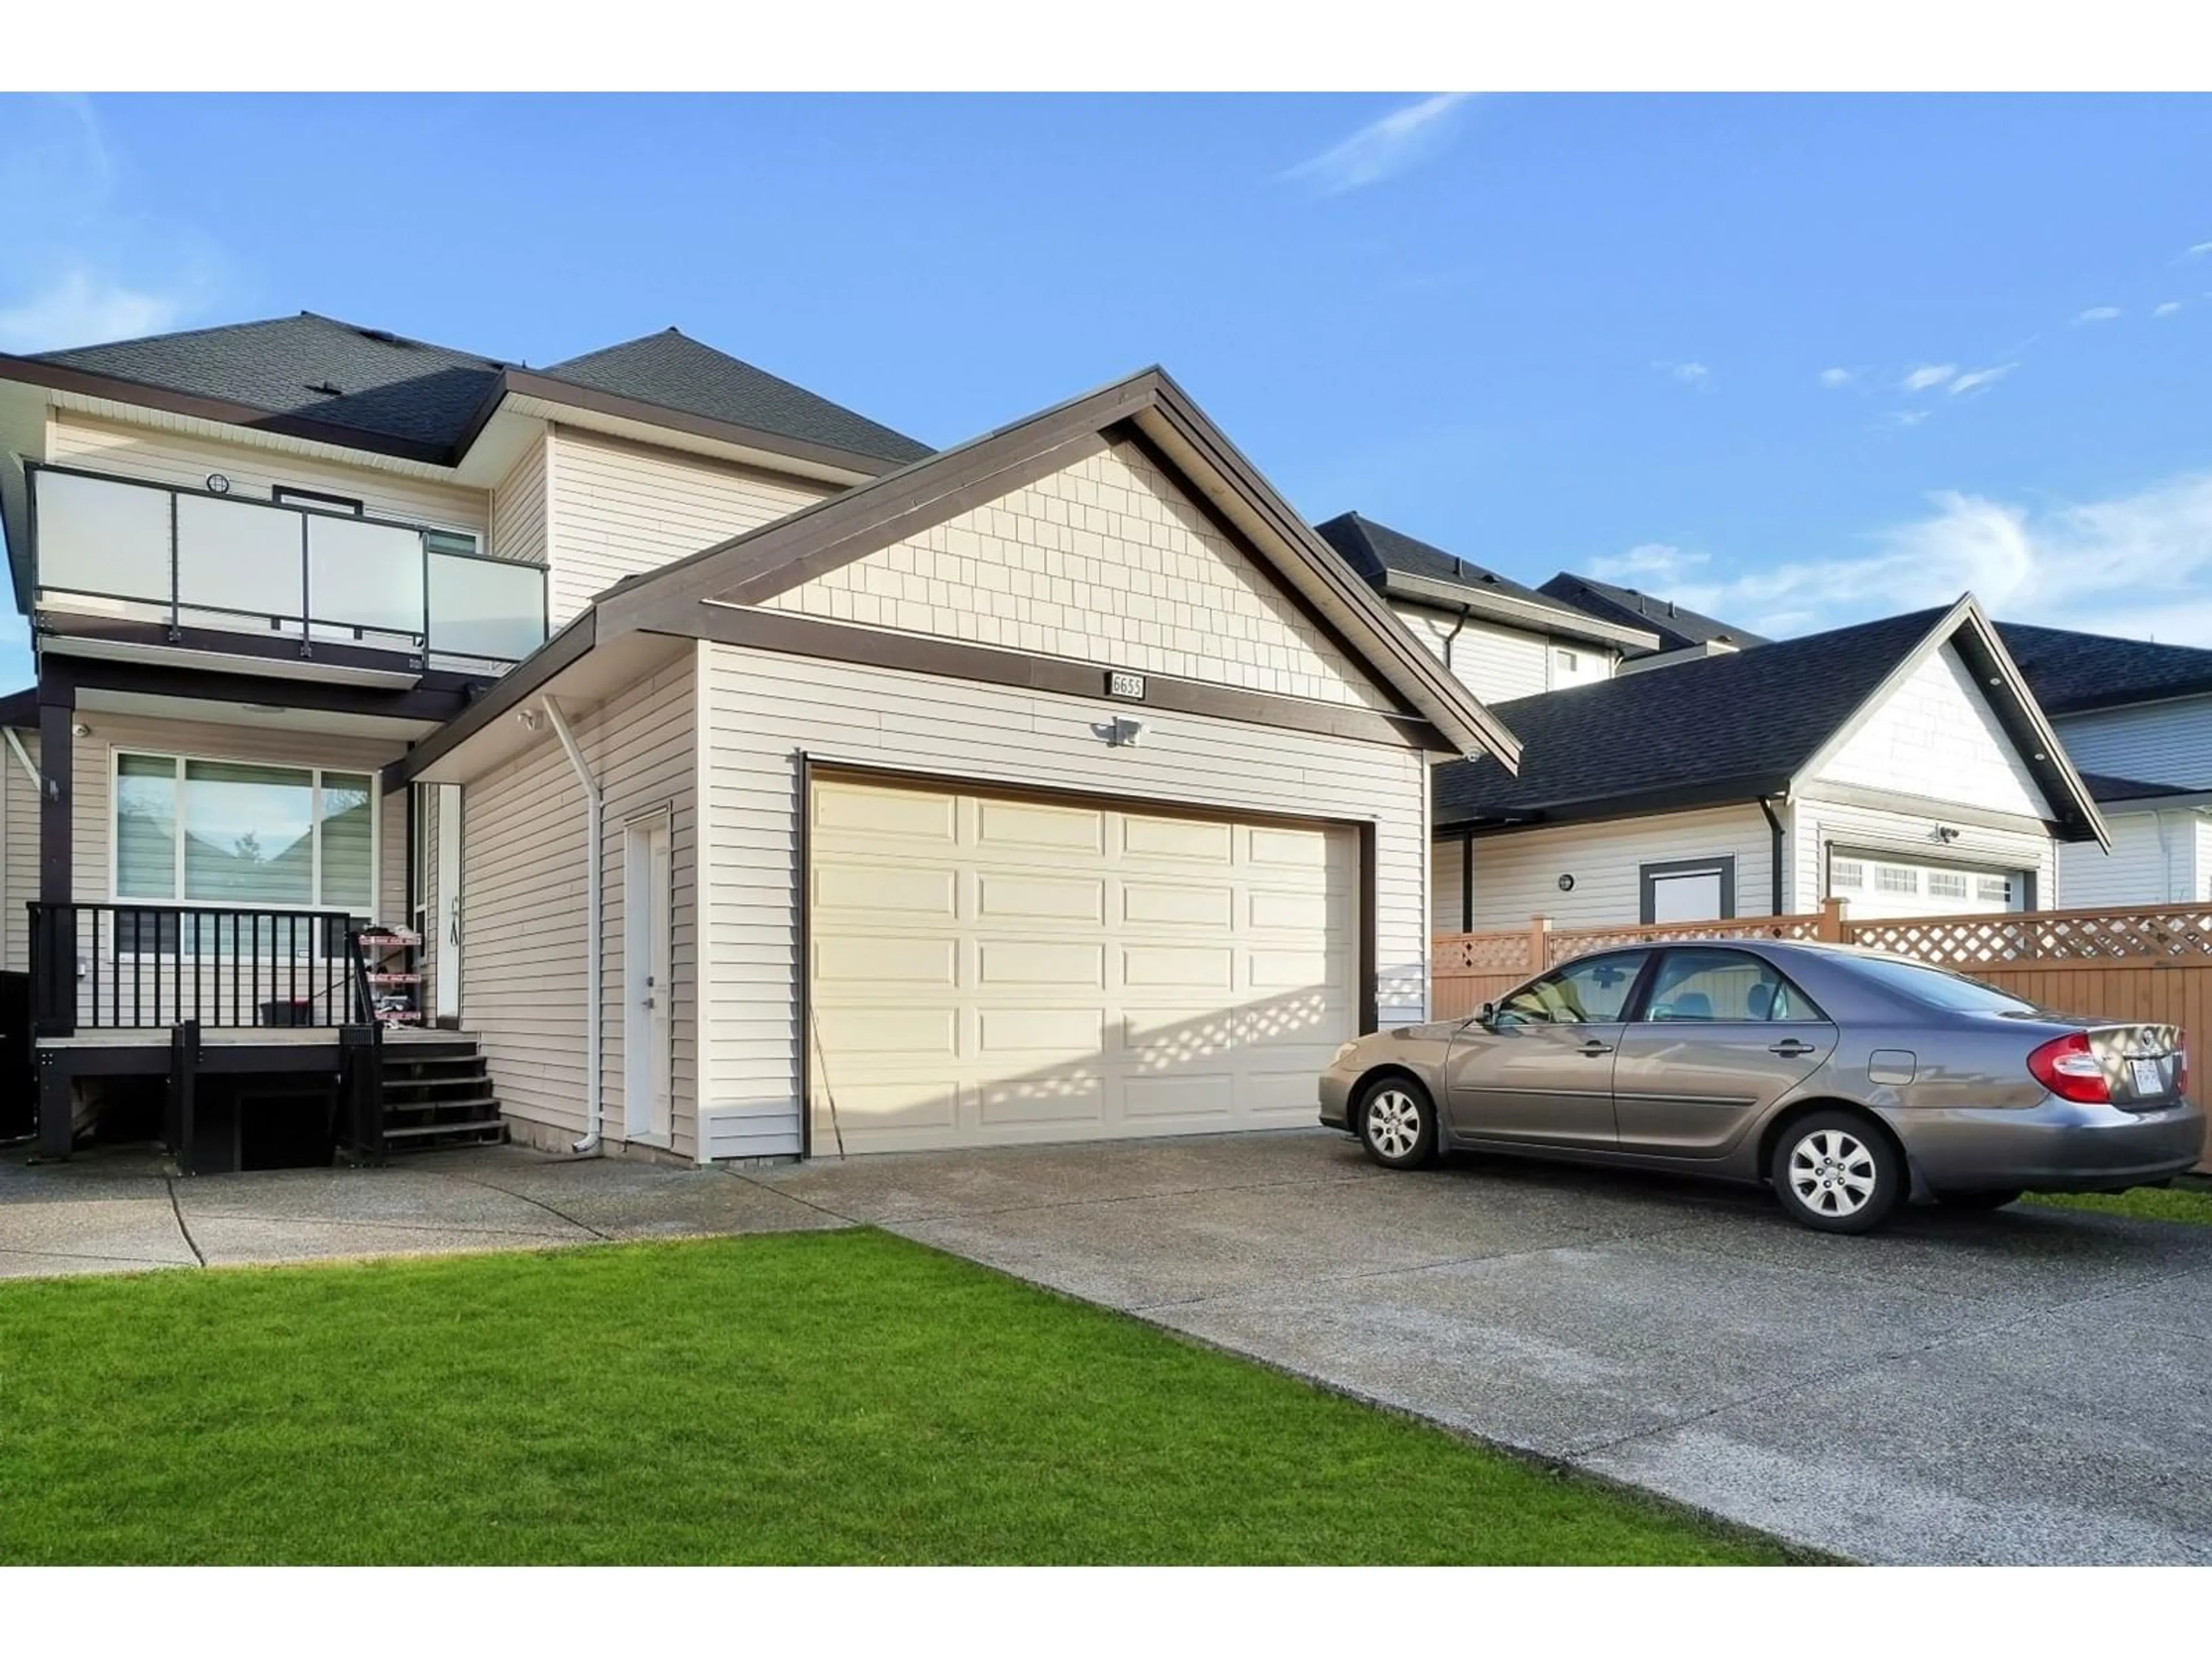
109, 966
187, 557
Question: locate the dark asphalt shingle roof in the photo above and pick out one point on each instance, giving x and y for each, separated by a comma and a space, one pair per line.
674, 371
386, 385
1727, 726
381, 384
1372, 548
2105, 787
1677, 627
2070, 672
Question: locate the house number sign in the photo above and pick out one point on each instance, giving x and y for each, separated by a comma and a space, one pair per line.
1120, 684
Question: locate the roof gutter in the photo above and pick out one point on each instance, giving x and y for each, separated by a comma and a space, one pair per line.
594, 809
1521, 613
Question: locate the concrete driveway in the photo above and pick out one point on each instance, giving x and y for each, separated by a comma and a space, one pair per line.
2033, 1386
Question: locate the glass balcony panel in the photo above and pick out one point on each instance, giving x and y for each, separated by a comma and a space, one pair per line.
96, 536
486, 608
363, 575
241, 558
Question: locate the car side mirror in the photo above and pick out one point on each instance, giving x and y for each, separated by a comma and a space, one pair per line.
1488, 1015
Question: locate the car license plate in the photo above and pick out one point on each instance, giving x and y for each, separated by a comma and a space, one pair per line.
2149, 1076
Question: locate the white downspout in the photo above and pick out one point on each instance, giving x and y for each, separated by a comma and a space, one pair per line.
15, 747
595, 855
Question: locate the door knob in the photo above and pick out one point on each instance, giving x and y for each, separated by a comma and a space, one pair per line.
1790, 1049
1593, 1048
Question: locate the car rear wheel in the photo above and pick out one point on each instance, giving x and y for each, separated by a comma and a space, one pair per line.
1398, 1123
1979, 1200
1836, 1173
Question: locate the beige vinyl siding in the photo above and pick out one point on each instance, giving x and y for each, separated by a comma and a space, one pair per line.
619, 509
519, 505
1934, 737
1106, 560
762, 711
523, 980
2157, 857
1516, 875
172, 458
1816, 825
2160, 742
19, 854
1496, 663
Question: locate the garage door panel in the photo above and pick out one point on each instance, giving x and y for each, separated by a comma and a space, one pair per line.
1029, 826
1193, 1096
1019, 962
1152, 903
876, 1030
1019, 970
1004, 897
1185, 841
848, 960
876, 891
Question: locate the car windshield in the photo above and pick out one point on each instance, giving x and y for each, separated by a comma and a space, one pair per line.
1938, 989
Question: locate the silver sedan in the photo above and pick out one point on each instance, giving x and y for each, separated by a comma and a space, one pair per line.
1847, 1081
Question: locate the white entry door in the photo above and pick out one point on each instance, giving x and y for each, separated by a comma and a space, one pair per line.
647, 1029
445, 944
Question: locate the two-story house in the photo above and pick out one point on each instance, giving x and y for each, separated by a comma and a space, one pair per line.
2136, 717
710, 770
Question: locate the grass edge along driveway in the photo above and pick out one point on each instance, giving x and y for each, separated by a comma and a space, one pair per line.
809, 1397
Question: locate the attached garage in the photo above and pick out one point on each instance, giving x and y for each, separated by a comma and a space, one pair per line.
992, 968
1880, 884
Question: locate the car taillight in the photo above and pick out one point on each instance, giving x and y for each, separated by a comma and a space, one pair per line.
2070, 1069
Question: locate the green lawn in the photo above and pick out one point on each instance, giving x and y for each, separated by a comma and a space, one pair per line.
812, 1397
2191, 1202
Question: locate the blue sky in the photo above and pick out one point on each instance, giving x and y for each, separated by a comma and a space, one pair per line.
1800, 360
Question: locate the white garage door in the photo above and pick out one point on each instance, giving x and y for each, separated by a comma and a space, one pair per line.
1879, 886
989, 969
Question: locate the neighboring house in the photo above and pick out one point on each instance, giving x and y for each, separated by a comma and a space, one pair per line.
1681, 634
1902, 765
1061, 785
1499, 639
2136, 717
259, 562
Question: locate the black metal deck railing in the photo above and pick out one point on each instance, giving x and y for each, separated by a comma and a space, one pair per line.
117, 967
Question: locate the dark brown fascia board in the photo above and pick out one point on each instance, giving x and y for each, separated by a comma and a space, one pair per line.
1557, 619
505, 695
121, 631
2029, 726
550, 388
437, 701
59, 377
1742, 792
664, 600
809, 636
1390, 639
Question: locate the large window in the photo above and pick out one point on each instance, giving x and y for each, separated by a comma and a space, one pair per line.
243, 835
1730, 986
1592, 991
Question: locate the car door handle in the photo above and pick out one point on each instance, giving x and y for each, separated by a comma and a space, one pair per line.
1790, 1049
1593, 1048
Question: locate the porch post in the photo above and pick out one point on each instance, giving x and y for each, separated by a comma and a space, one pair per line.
56, 946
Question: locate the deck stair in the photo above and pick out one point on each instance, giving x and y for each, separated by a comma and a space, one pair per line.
438, 1093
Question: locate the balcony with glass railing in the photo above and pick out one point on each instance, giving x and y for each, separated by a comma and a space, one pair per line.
194, 562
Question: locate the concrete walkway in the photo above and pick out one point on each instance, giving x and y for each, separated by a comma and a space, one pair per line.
123, 1211
2030, 1386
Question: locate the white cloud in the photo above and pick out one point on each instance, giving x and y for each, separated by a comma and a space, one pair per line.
2168, 309
1927, 375
1689, 374
1382, 148
79, 308
2097, 314
1649, 564
2197, 251
2137, 565
1906, 417
1980, 377
1833, 377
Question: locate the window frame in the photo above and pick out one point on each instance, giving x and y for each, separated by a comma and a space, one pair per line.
1648, 875
1630, 1005
319, 501
1640, 1008
179, 760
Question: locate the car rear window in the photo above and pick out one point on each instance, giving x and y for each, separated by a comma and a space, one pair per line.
1938, 989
